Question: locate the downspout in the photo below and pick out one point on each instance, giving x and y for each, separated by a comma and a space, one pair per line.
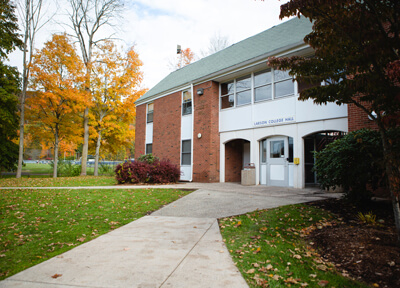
191, 142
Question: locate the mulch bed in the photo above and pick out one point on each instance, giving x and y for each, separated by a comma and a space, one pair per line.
368, 253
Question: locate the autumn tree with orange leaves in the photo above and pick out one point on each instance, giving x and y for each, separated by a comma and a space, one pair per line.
59, 98
184, 57
115, 85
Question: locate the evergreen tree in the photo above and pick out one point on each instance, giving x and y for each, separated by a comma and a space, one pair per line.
9, 87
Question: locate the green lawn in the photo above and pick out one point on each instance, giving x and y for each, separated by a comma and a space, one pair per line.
58, 182
37, 168
36, 225
270, 250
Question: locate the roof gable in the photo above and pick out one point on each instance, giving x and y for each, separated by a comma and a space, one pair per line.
284, 35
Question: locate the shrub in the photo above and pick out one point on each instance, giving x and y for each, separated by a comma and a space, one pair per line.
164, 172
132, 172
354, 163
148, 158
106, 169
66, 168
144, 172
70, 170
367, 218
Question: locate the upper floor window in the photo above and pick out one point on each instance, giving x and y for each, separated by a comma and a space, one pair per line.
227, 95
243, 91
150, 110
283, 82
265, 85
186, 103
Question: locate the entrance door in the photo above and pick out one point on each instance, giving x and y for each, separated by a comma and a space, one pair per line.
277, 163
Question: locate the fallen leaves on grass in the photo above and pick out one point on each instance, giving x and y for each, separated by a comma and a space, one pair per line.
38, 224
279, 234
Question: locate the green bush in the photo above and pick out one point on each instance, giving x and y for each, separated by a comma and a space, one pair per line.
148, 158
66, 168
106, 169
354, 162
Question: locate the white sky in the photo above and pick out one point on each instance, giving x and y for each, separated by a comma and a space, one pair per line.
157, 26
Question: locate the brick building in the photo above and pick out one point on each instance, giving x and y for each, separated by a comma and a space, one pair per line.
217, 115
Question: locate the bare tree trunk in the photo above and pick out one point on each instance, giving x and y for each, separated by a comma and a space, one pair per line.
55, 154
21, 136
23, 96
396, 211
85, 141
393, 175
87, 17
32, 21
96, 162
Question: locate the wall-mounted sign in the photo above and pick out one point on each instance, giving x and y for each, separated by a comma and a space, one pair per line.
275, 121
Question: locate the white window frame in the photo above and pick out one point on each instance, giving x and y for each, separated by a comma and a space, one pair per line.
253, 88
289, 78
186, 153
271, 84
185, 102
251, 79
147, 152
148, 113
233, 94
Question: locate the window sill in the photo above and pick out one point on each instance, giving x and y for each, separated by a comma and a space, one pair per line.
241, 105
284, 96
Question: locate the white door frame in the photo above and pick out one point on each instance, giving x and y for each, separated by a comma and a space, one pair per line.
277, 163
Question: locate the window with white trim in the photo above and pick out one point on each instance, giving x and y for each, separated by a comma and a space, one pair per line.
186, 158
227, 95
149, 148
265, 85
150, 110
186, 102
243, 91
283, 82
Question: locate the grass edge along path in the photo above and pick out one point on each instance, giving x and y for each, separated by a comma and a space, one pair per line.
270, 250
36, 225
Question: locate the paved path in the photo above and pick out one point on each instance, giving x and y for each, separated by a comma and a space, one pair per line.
177, 246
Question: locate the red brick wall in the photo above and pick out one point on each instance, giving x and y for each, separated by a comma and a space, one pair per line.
358, 119
206, 122
140, 130
233, 160
167, 131
167, 127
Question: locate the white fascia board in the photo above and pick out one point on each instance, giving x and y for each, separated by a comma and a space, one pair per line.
166, 93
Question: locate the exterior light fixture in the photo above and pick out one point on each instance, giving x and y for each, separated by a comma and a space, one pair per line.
200, 91
373, 113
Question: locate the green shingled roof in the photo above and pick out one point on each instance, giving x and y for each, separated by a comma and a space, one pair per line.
284, 35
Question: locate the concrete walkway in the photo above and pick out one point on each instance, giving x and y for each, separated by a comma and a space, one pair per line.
177, 246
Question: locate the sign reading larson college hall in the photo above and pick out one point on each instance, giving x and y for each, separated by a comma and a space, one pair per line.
275, 121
